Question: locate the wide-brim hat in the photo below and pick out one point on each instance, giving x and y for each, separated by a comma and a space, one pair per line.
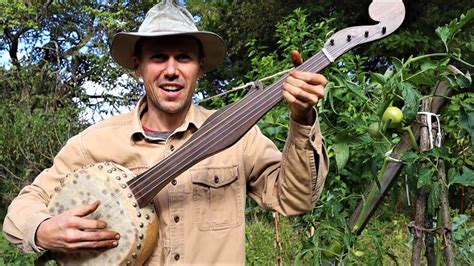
168, 19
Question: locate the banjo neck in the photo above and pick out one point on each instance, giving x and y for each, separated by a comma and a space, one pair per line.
226, 126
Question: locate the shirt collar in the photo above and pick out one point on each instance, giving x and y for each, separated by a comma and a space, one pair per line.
195, 117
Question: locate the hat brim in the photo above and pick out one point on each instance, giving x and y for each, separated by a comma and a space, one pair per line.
123, 47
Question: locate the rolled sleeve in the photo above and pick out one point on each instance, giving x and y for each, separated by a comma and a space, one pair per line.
24, 216
29, 209
35, 221
291, 182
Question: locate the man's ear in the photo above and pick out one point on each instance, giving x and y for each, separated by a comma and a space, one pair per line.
201, 73
136, 66
201, 69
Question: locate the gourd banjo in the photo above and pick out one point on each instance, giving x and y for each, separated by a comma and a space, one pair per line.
126, 198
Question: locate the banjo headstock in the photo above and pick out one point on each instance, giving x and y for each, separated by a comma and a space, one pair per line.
389, 13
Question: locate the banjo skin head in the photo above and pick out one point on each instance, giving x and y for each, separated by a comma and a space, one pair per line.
106, 182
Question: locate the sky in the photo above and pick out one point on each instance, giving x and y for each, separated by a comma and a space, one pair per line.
4, 59
106, 110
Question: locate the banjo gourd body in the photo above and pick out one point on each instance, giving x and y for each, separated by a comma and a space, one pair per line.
106, 182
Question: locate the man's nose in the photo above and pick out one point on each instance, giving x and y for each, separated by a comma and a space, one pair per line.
170, 70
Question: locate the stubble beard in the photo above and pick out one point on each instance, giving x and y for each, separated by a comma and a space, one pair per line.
172, 110
169, 108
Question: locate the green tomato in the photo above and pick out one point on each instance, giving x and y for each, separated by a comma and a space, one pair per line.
394, 114
374, 130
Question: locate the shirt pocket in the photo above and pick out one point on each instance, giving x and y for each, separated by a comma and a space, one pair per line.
217, 198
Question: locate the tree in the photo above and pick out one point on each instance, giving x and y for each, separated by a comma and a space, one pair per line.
56, 50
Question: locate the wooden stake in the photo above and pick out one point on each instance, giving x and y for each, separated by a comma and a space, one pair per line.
445, 217
276, 220
420, 205
420, 211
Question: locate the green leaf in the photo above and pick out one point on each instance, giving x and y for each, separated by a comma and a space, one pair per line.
328, 91
463, 81
341, 151
466, 119
451, 81
424, 178
459, 220
456, 52
455, 25
444, 62
351, 86
466, 179
388, 74
422, 79
428, 65
410, 157
433, 198
452, 172
439, 152
447, 32
397, 64
470, 46
411, 98
410, 170
443, 33
379, 78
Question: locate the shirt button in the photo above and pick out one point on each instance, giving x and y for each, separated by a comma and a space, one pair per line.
174, 182
216, 179
176, 257
171, 148
176, 219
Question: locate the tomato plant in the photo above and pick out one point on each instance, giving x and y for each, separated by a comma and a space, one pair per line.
358, 106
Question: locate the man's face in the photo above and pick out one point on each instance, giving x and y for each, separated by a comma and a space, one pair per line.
170, 67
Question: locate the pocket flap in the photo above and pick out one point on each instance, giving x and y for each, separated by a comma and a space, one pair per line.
214, 176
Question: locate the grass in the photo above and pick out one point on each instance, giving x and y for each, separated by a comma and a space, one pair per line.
11, 255
383, 242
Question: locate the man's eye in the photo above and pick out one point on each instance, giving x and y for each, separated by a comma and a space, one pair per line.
159, 57
183, 58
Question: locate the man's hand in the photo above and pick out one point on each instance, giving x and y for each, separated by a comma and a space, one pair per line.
69, 231
302, 90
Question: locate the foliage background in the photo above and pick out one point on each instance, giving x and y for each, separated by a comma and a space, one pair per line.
56, 72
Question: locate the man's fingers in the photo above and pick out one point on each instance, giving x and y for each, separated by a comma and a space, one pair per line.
311, 78
73, 235
303, 90
296, 58
294, 101
91, 245
84, 236
87, 224
74, 218
96, 244
70, 231
85, 210
302, 100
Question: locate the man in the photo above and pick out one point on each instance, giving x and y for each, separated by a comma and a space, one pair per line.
201, 222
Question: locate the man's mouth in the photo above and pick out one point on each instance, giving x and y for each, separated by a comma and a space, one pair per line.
171, 88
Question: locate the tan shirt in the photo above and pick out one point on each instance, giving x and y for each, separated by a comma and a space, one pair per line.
197, 225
